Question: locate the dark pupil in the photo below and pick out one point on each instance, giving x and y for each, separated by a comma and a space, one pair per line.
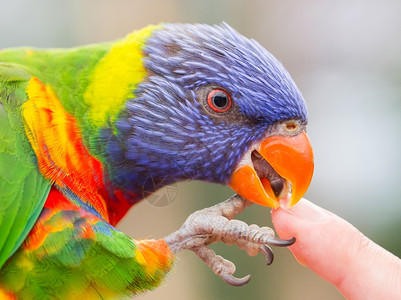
220, 100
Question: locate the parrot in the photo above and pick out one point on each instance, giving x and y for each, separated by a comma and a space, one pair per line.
88, 132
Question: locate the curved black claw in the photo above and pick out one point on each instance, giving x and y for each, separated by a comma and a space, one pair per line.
275, 241
268, 253
231, 280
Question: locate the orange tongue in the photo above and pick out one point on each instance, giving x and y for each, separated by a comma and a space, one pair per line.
291, 157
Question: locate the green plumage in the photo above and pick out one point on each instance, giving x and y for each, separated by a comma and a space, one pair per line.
75, 267
71, 251
67, 71
23, 190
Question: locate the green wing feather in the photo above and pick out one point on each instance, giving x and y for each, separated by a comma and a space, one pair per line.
72, 254
23, 190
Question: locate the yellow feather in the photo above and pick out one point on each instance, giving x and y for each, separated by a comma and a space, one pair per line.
6, 296
116, 76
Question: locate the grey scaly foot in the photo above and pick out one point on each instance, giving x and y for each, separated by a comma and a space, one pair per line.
217, 223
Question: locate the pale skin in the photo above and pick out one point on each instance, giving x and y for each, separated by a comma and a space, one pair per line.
339, 253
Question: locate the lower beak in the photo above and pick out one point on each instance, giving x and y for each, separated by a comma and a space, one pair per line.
290, 159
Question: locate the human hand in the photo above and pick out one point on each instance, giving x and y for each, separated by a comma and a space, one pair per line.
339, 253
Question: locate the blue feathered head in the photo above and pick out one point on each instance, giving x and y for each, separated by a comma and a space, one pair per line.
210, 99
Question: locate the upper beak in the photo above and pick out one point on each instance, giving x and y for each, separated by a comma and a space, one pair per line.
280, 175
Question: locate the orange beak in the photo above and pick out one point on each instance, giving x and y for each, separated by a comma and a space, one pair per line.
291, 157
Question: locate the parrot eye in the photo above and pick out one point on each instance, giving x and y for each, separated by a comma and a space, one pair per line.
219, 101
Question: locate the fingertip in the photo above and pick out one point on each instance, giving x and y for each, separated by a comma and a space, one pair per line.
336, 250
299, 222
291, 222
312, 226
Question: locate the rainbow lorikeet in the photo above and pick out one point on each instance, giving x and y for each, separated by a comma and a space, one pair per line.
83, 129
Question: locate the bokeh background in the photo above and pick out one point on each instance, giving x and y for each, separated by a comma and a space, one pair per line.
345, 57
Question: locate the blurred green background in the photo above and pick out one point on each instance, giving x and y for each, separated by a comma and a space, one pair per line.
345, 57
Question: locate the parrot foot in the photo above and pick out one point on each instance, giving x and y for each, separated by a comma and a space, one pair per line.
217, 223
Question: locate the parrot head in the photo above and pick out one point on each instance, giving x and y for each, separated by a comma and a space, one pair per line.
214, 106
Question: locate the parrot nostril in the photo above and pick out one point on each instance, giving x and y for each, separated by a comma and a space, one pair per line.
291, 127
